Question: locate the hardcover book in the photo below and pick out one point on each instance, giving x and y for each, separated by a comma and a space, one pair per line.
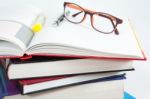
18, 37
50, 66
41, 84
95, 90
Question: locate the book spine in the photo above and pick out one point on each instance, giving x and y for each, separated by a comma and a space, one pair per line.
3, 80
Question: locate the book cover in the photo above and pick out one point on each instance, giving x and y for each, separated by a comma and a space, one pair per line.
33, 85
98, 90
64, 66
7, 87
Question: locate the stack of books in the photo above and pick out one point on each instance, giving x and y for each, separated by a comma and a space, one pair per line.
69, 61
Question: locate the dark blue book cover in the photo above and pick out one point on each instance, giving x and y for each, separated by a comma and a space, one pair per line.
3, 80
7, 87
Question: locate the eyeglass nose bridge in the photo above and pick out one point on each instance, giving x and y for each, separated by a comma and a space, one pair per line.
89, 13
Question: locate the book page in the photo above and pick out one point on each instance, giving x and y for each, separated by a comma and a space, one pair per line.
24, 14
16, 22
83, 36
15, 33
79, 36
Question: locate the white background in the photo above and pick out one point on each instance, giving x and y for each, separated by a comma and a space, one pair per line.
137, 82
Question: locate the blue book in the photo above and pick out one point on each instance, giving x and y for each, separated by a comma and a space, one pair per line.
128, 96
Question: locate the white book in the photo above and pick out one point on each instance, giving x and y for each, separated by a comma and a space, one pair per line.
64, 67
100, 90
69, 39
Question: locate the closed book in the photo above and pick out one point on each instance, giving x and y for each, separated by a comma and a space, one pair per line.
41, 84
96, 90
55, 67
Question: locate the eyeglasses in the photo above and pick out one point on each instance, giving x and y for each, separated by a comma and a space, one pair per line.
101, 22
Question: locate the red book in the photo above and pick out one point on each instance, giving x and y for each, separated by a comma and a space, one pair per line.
40, 84
39, 80
74, 41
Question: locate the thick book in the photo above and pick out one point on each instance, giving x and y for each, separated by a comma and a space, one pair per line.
96, 90
41, 84
21, 69
17, 38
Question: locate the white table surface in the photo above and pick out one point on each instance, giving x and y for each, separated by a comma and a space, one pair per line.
137, 82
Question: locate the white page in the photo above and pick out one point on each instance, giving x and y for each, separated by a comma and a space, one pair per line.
8, 31
24, 14
81, 36
13, 18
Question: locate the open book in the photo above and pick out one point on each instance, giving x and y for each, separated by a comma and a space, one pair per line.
18, 39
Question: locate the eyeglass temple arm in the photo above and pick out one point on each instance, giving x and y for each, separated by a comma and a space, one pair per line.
74, 15
119, 21
116, 31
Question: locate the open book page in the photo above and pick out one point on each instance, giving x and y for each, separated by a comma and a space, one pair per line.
24, 14
69, 38
9, 49
16, 22
15, 33
80, 37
